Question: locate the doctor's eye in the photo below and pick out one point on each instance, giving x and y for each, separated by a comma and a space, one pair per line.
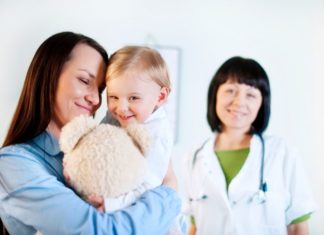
230, 91
250, 95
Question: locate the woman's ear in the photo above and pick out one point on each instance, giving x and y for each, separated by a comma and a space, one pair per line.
164, 93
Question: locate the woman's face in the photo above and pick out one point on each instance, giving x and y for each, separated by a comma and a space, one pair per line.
78, 86
237, 105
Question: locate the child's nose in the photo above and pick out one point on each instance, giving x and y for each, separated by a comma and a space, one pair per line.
123, 105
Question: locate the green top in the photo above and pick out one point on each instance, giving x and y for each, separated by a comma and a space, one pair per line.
231, 162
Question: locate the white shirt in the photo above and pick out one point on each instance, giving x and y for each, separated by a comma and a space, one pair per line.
158, 157
232, 211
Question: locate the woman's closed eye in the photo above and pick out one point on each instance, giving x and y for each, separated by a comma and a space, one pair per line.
84, 80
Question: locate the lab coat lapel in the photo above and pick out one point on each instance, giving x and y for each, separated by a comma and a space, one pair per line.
248, 178
213, 173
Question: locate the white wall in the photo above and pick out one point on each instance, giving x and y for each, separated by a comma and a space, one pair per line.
286, 37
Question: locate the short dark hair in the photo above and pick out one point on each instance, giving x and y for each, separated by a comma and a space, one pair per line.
36, 103
244, 71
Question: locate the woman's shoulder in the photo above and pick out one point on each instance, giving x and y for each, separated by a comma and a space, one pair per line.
16, 149
275, 140
19, 156
280, 146
28, 150
199, 149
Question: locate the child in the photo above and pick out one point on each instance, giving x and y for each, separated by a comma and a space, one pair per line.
138, 85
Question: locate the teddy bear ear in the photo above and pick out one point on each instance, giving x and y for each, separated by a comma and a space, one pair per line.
72, 132
140, 136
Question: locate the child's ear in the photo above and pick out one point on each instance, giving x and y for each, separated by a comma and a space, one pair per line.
164, 93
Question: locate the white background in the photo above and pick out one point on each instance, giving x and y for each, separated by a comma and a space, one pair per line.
286, 37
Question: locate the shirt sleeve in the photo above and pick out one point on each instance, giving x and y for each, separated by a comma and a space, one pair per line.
186, 172
301, 200
125, 200
31, 196
159, 153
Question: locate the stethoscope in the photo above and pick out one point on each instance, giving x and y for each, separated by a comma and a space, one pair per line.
260, 196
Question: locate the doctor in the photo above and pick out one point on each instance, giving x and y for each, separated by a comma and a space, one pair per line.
238, 181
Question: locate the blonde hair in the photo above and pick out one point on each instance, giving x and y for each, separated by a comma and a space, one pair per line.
139, 59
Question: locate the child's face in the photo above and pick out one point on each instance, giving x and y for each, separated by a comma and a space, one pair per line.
134, 98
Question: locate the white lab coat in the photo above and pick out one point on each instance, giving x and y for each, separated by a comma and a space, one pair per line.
232, 212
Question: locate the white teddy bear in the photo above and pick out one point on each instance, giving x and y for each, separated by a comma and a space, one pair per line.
103, 159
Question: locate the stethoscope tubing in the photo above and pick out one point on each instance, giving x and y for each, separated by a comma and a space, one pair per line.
263, 188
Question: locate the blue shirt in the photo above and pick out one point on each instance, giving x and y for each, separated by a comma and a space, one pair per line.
33, 197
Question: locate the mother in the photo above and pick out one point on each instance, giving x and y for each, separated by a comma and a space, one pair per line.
64, 79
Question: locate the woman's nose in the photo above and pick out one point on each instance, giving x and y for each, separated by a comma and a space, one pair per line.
239, 98
93, 98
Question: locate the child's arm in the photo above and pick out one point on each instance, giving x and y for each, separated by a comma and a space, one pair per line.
125, 200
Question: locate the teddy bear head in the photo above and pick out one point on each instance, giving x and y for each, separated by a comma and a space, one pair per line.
103, 159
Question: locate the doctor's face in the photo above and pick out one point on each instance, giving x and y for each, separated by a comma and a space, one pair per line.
237, 105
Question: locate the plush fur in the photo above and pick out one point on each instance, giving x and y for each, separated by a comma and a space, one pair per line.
103, 159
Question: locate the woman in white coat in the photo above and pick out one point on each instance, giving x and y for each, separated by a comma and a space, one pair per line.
239, 182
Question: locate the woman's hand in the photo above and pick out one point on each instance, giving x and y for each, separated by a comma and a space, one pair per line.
65, 174
298, 229
98, 202
192, 229
170, 179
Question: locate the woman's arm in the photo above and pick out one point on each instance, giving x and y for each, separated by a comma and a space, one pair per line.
170, 179
33, 199
192, 230
298, 229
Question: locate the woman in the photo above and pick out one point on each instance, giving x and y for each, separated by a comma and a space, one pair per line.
239, 181
64, 80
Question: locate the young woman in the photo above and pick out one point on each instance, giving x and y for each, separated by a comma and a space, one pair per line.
65, 79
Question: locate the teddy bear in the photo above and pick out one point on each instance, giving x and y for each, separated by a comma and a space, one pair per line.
102, 159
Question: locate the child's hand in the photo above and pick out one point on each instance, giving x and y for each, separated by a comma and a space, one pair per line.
170, 179
66, 175
97, 202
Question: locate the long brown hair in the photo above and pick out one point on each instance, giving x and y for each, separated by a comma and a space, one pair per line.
36, 102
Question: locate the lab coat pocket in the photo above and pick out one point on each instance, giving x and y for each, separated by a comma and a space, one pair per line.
264, 230
270, 215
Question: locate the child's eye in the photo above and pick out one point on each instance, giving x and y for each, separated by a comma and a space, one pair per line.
111, 97
133, 98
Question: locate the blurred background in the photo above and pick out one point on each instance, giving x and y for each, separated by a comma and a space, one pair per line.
285, 37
